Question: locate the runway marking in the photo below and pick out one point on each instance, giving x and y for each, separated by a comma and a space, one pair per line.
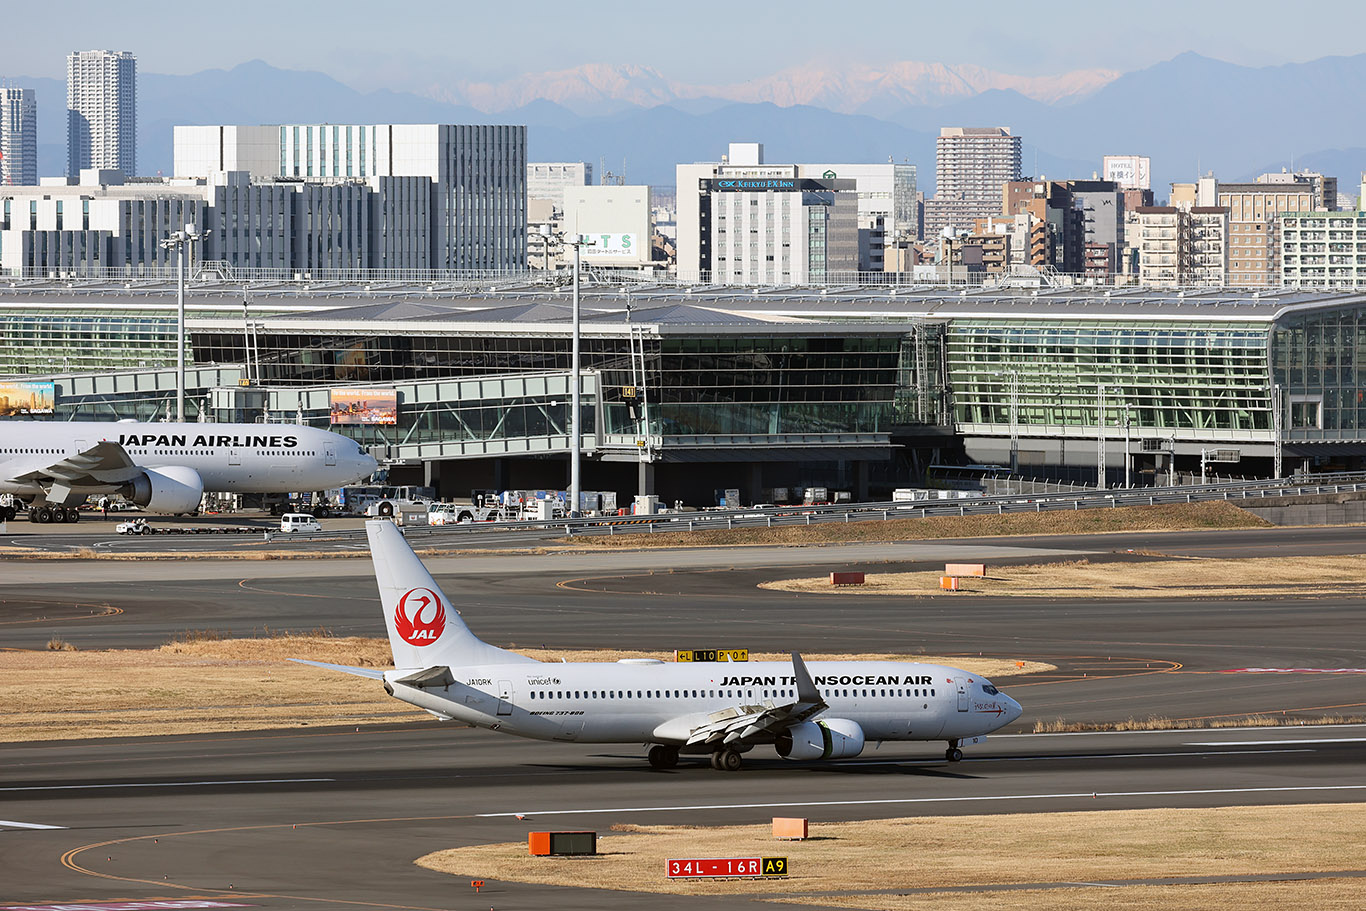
167, 784
1173, 753
104, 610
1256, 743
1293, 670
917, 800
173, 905
242, 584
9, 823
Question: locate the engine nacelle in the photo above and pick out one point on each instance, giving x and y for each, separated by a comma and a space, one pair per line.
171, 490
829, 738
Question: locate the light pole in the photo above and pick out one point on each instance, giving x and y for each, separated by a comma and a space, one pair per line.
575, 383
1278, 430
1100, 434
178, 241
1014, 376
1128, 459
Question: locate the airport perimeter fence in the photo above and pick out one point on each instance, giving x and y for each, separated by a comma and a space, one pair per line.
1261, 491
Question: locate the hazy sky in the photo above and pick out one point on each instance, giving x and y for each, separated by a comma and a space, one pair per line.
421, 43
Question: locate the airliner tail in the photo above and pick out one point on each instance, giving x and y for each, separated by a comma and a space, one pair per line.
425, 629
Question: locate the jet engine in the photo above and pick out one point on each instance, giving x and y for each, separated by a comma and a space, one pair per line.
830, 738
171, 490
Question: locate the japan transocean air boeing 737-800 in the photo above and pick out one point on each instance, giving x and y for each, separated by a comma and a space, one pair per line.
828, 710
166, 468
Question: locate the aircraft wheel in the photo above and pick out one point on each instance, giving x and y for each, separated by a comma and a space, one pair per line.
662, 757
73, 515
953, 754
33, 514
43, 515
728, 761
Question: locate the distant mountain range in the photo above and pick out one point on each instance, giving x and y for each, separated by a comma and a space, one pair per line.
860, 89
1190, 114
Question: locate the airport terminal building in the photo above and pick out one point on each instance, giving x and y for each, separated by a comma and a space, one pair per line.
687, 390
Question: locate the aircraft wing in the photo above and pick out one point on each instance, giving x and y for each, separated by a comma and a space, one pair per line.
101, 465
748, 722
373, 673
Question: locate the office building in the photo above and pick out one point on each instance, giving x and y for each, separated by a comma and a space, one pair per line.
549, 179
886, 196
101, 111
277, 228
18, 137
476, 176
1253, 210
743, 220
614, 220
972, 164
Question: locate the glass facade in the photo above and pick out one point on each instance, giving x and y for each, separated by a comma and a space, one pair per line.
1196, 376
696, 385
1315, 358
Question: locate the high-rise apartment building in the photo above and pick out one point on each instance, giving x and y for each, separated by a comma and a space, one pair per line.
972, 164
1323, 249
101, 111
1180, 247
18, 137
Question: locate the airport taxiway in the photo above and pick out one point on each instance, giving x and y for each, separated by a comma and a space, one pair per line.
215, 815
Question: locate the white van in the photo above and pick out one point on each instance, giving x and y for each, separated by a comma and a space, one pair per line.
299, 521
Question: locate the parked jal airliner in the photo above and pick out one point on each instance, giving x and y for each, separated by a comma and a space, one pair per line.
828, 710
165, 468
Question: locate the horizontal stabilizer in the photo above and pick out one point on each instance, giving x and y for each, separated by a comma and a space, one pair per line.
432, 677
373, 673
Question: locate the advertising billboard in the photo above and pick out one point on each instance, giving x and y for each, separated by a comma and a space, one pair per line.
18, 398
1131, 172
363, 406
614, 245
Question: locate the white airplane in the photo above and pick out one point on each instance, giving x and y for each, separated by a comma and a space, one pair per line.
165, 468
828, 710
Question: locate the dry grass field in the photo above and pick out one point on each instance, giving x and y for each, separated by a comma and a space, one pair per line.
1181, 577
959, 851
202, 683
1166, 517
1332, 894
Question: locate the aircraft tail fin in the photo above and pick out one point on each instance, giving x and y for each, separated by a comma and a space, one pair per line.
425, 629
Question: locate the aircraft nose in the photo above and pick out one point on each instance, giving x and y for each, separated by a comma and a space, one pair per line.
1013, 710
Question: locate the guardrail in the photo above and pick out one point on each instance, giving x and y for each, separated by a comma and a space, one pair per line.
781, 516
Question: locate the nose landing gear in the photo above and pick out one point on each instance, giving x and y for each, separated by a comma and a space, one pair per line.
662, 757
953, 754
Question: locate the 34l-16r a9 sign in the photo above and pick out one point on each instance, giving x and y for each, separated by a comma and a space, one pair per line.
710, 867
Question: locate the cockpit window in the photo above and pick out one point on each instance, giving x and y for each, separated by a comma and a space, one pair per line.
990, 690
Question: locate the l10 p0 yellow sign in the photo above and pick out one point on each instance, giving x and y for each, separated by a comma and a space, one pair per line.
712, 654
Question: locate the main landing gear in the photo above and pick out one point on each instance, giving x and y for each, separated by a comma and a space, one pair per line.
45, 514
662, 757
953, 754
725, 761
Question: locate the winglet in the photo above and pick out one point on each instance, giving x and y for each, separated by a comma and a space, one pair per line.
806, 689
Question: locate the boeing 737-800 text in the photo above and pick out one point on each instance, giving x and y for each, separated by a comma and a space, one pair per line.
828, 710
166, 468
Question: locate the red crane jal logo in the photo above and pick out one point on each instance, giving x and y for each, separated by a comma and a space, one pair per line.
416, 624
